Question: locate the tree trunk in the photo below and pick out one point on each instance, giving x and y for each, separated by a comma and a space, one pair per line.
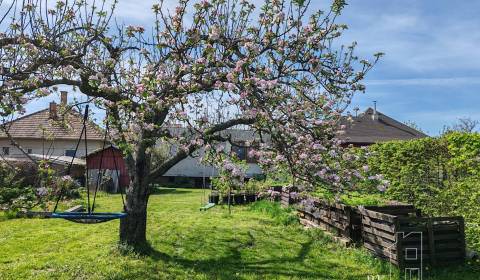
133, 227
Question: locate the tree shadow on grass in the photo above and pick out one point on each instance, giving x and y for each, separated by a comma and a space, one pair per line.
227, 267
226, 262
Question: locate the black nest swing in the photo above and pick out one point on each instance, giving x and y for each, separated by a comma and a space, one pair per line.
89, 217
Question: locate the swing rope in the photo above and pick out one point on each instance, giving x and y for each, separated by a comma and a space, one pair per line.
90, 217
86, 168
69, 169
100, 170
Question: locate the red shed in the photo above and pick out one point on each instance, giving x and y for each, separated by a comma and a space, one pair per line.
110, 159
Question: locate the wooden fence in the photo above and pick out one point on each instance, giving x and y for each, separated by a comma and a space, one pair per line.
339, 219
289, 196
407, 239
397, 233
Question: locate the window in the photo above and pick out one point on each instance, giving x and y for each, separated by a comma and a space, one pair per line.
5, 151
29, 151
240, 152
70, 153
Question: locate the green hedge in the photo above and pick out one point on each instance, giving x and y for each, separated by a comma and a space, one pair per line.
440, 175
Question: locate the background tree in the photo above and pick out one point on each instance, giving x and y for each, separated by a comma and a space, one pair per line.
413, 125
208, 66
466, 125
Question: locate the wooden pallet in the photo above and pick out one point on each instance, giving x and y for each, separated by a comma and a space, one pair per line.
412, 240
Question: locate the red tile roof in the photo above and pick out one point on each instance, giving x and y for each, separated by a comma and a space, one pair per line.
39, 125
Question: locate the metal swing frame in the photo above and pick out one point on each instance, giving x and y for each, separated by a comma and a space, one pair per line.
89, 217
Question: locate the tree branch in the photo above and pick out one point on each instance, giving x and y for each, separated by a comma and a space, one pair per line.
209, 135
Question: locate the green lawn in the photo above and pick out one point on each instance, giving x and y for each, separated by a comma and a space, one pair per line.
187, 244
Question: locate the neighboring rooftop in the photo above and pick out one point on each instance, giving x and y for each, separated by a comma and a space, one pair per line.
42, 125
373, 127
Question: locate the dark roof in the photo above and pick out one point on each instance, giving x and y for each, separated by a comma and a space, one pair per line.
39, 125
365, 130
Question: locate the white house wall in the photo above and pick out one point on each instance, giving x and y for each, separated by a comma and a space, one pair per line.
54, 148
192, 167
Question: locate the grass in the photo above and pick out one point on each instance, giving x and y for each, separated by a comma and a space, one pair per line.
354, 198
259, 241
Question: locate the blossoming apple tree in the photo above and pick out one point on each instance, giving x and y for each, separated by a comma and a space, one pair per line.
208, 65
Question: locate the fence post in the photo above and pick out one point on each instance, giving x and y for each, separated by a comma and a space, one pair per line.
431, 242
461, 227
398, 244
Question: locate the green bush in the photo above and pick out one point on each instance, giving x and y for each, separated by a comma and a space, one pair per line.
440, 176
14, 193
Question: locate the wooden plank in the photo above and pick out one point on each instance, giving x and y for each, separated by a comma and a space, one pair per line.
450, 244
408, 229
380, 233
385, 227
433, 219
388, 253
375, 239
377, 215
399, 248
431, 243
461, 223
455, 255
390, 207
334, 223
413, 240
453, 236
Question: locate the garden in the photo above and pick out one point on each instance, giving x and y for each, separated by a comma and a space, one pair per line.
257, 241
185, 88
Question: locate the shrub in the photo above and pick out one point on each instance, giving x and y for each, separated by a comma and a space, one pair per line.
440, 176
14, 193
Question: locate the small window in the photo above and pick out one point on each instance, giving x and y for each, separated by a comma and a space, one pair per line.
5, 151
70, 153
29, 151
240, 152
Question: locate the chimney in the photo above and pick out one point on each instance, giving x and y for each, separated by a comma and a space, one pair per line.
63, 98
53, 110
375, 114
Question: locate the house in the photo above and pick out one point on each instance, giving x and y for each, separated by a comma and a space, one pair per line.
368, 128
192, 172
51, 134
372, 127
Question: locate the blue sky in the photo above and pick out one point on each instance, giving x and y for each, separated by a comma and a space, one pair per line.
430, 74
